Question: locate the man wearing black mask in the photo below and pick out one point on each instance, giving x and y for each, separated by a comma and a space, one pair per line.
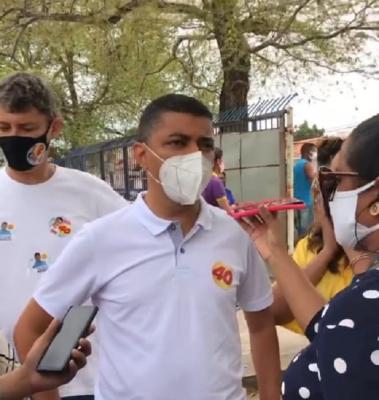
43, 205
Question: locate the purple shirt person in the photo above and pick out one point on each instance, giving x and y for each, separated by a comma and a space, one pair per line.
215, 193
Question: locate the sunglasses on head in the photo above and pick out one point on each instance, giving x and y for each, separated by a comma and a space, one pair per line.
328, 182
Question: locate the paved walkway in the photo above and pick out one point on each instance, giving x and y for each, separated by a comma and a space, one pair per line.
290, 344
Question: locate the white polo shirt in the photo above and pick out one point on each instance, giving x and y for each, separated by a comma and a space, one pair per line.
167, 323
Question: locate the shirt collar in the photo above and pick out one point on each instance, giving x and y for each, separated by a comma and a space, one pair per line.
156, 225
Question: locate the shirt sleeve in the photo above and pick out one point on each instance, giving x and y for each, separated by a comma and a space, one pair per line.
218, 189
254, 292
302, 255
312, 329
72, 279
107, 199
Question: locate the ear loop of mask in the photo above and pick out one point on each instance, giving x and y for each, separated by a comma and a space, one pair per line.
159, 158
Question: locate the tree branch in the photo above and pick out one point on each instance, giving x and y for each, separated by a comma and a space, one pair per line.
173, 56
180, 8
19, 36
350, 26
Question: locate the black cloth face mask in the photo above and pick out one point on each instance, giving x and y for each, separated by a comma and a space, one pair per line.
22, 152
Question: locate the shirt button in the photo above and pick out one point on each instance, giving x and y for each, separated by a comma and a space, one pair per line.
182, 250
172, 227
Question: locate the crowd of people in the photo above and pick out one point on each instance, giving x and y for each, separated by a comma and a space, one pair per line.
167, 271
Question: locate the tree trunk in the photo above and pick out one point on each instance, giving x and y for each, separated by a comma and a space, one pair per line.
235, 87
234, 53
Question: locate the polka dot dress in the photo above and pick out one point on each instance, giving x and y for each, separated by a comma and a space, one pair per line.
342, 360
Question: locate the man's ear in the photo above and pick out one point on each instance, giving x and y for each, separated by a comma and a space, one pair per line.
139, 153
56, 127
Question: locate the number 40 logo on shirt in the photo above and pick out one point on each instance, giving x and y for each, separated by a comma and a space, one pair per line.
222, 275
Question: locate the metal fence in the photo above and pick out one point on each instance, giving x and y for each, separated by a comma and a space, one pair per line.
111, 161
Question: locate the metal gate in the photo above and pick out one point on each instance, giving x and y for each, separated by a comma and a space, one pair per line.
257, 142
111, 161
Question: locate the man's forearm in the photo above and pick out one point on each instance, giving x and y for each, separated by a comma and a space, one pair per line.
265, 355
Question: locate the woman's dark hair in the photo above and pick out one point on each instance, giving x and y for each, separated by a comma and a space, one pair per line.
363, 149
326, 151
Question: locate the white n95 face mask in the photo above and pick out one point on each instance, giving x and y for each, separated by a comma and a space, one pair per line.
349, 232
184, 177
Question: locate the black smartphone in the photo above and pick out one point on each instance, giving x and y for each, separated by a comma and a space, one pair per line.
74, 326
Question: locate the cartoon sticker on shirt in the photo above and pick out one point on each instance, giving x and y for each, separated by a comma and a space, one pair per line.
6, 231
40, 262
36, 154
222, 275
60, 226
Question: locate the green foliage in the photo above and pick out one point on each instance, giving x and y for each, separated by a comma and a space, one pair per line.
108, 59
304, 131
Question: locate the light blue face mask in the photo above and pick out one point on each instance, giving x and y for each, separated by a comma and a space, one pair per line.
343, 209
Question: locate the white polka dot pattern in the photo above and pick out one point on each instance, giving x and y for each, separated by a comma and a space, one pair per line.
324, 311
313, 367
340, 365
304, 393
375, 357
348, 323
296, 357
371, 294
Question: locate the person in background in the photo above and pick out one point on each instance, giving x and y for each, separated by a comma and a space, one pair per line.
304, 173
215, 193
321, 258
37, 198
229, 193
25, 380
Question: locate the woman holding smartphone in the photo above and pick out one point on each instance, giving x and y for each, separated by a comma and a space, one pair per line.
25, 380
342, 360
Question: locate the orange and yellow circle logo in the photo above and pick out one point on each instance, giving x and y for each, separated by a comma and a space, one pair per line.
222, 275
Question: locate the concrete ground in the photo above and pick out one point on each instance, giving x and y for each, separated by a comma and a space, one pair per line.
290, 344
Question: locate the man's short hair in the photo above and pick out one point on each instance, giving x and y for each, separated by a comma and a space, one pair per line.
306, 149
169, 103
22, 91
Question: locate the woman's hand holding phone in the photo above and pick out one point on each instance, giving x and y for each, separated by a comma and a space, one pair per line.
265, 231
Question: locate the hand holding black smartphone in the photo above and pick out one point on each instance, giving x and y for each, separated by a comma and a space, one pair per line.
75, 324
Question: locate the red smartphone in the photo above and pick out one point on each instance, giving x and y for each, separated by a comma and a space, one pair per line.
249, 209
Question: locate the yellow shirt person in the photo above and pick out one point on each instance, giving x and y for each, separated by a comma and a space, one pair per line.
329, 285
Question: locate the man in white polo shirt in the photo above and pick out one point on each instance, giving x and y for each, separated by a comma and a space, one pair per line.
166, 274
